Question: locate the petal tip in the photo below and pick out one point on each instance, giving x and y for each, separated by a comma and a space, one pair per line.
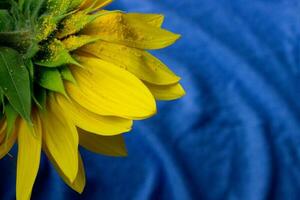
177, 37
152, 108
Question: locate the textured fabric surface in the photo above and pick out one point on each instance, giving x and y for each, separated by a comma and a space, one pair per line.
236, 134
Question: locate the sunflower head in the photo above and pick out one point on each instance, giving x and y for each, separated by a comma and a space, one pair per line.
74, 74
37, 39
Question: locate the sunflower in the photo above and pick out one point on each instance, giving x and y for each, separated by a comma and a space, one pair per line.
72, 73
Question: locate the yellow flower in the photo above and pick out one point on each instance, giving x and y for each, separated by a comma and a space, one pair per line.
90, 77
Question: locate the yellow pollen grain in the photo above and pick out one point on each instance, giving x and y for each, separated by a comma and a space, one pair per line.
47, 27
58, 7
74, 42
53, 49
73, 24
70, 42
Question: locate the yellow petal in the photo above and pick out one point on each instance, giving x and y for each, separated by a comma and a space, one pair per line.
89, 121
98, 4
129, 31
106, 145
80, 180
166, 92
79, 183
29, 153
141, 63
60, 139
5, 146
108, 90
151, 19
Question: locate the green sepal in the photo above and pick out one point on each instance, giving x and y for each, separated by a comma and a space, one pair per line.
15, 81
40, 97
20, 21
67, 75
32, 8
1, 97
1, 105
74, 4
50, 78
6, 21
74, 42
74, 23
46, 25
21, 4
55, 55
32, 50
11, 117
58, 7
30, 68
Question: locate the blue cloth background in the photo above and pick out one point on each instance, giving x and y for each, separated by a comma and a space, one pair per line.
236, 134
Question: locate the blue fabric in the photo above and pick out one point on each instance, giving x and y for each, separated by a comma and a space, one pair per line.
236, 134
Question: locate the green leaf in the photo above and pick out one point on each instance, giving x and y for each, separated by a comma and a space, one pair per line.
11, 116
6, 21
67, 75
50, 78
55, 55
15, 82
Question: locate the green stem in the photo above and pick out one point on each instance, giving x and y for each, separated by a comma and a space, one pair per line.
20, 40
